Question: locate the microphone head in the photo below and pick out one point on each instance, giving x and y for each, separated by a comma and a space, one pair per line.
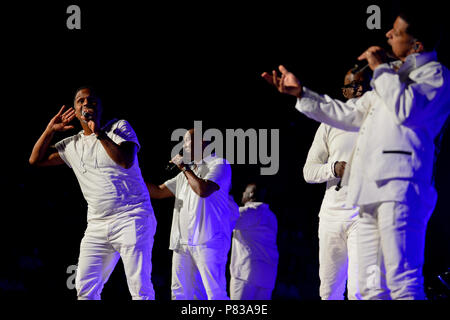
87, 115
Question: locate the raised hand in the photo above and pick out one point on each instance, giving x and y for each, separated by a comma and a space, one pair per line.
375, 56
93, 125
178, 161
60, 122
287, 83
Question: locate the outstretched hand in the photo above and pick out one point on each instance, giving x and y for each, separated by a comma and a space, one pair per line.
60, 122
287, 83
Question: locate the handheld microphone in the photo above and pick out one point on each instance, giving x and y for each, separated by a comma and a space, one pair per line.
338, 186
172, 166
359, 67
88, 116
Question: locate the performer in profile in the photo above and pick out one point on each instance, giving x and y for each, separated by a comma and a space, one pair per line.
121, 222
254, 253
390, 173
326, 160
203, 219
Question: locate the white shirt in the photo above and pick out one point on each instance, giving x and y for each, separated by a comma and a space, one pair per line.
254, 254
197, 220
110, 190
397, 121
329, 146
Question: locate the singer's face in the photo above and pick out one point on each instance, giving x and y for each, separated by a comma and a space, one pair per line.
248, 193
352, 87
88, 102
401, 42
188, 145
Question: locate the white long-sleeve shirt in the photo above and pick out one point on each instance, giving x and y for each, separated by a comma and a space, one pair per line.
397, 121
254, 253
329, 146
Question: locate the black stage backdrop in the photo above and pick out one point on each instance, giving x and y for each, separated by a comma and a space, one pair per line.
162, 66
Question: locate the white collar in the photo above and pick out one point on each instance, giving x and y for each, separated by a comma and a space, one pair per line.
416, 60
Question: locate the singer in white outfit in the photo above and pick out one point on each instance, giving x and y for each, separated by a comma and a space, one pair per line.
203, 219
121, 223
390, 175
326, 160
337, 224
254, 253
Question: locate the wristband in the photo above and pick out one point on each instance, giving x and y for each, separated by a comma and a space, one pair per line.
101, 135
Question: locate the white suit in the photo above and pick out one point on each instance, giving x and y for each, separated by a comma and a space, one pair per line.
254, 253
201, 233
390, 173
337, 225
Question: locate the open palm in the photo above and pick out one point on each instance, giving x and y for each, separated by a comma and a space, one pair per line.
61, 121
287, 83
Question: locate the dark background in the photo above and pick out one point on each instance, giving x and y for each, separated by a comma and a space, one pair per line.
162, 66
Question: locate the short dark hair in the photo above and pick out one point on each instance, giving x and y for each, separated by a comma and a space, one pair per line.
88, 87
423, 25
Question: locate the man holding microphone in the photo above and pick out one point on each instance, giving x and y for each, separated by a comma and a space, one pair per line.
203, 219
390, 173
121, 222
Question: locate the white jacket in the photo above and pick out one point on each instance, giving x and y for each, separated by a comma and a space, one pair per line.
329, 146
397, 121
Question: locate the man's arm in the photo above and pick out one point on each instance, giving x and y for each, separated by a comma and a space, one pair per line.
123, 154
203, 188
346, 116
417, 102
159, 192
40, 155
317, 169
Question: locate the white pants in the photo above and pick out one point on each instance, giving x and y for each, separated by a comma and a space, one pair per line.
391, 241
101, 247
198, 272
338, 259
244, 290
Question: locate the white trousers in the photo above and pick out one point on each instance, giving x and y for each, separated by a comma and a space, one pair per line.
245, 290
101, 247
198, 273
391, 241
338, 261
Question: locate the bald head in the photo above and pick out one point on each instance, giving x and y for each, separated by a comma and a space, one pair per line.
254, 192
